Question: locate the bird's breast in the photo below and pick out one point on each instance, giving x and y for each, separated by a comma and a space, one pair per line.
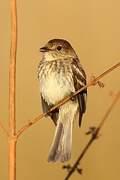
56, 81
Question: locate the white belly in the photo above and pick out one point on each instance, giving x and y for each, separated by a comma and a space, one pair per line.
56, 86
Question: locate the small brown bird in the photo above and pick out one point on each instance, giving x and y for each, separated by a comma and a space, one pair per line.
61, 74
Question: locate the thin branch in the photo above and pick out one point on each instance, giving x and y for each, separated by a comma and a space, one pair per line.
91, 83
3, 128
12, 93
93, 137
12, 68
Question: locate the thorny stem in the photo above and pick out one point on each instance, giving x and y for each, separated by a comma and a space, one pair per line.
91, 83
12, 92
93, 137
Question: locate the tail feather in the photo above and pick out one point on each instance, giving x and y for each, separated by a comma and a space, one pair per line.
62, 143
66, 142
61, 146
56, 143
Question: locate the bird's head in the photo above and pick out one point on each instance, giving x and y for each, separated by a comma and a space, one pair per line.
57, 49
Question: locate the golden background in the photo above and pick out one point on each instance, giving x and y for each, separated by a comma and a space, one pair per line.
93, 29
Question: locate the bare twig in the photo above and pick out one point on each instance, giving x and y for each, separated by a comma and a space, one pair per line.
91, 83
93, 137
12, 92
12, 67
3, 128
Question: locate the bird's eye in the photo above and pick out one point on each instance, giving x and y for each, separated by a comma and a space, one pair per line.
59, 48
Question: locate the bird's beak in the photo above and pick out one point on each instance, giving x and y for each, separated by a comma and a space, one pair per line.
44, 49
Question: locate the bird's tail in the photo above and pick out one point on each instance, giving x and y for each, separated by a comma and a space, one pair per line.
62, 143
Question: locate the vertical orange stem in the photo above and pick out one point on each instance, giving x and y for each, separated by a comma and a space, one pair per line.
12, 68
12, 93
12, 159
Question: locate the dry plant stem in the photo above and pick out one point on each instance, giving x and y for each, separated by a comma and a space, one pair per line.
12, 159
12, 93
93, 137
91, 83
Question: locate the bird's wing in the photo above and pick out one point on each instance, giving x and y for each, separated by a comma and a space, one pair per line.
46, 107
79, 78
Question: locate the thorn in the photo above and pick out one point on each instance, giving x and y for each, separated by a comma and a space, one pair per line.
93, 131
30, 123
94, 82
80, 171
100, 84
67, 167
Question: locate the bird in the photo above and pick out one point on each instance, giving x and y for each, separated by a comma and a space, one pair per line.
60, 74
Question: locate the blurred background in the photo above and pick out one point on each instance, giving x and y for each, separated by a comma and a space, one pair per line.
93, 29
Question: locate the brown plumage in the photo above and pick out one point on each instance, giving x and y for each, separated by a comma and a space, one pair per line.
61, 74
